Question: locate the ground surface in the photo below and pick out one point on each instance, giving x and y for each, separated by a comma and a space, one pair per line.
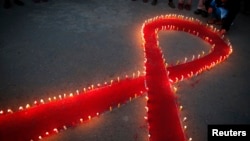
58, 47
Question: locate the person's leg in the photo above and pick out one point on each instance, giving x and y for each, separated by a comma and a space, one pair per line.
180, 4
188, 4
200, 7
171, 3
215, 11
216, 15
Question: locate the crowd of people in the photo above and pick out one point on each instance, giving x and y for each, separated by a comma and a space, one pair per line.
220, 12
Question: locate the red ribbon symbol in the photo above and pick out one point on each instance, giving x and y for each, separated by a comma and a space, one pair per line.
46, 117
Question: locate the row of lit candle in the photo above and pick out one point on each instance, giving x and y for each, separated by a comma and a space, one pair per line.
170, 26
172, 78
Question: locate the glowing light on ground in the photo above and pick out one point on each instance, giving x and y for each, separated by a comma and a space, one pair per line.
45, 117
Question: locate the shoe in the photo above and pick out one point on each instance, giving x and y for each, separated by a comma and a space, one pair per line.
198, 11
171, 4
187, 7
154, 2
201, 12
7, 4
204, 14
145, 1
180, 6
18, 2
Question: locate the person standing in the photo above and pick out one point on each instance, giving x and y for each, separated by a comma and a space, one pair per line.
201, 9
223, 13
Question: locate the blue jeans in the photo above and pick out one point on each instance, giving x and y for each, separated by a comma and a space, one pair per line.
218, 12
